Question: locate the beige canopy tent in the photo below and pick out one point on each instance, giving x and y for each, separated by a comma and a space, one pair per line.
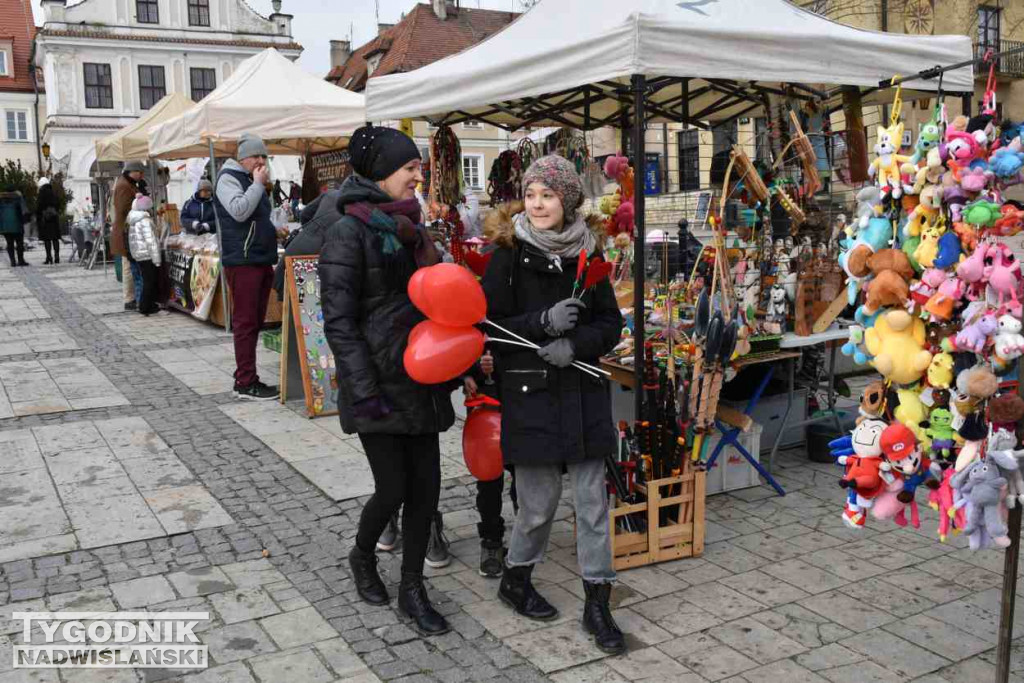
293, 111
132, 142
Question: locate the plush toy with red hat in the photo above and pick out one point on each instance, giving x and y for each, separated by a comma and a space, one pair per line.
900, 448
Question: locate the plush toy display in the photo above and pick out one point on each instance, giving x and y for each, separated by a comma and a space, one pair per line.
938, 305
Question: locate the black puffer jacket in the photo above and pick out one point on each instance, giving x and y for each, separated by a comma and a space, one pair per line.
549, 415
367, 319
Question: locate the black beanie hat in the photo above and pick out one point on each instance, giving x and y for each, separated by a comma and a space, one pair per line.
378, 152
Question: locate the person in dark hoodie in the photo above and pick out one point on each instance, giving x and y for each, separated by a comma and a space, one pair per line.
366, 262
13, 216
307, 241
197, 216
48, 220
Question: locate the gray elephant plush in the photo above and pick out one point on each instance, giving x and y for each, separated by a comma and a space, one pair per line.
982, 487
1001, 450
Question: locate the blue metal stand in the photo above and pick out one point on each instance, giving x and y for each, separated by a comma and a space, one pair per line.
730, 437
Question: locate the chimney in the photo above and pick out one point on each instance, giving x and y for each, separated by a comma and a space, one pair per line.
441, 8
383, 27
53, 10
341, 50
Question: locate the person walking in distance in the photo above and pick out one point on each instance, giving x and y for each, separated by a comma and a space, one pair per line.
13, 216
48, 220
125, 189
249, 241
366, 262
553, 415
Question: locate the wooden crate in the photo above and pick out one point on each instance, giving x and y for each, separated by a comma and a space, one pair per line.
661, 543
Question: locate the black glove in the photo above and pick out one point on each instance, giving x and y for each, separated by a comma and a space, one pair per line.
559, 353
562, 317
374, 408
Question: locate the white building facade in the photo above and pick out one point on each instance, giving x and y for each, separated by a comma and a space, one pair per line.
105, 62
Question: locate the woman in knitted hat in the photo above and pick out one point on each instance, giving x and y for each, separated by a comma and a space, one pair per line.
366, 262
553, 415
197, 216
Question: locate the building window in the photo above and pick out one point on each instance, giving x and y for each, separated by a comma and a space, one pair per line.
724, 136
689, 160
472, 170
147, 11
99, 89
151, 85
3, 63
988, 28
473, 125
17, 126
204, 82
198, 13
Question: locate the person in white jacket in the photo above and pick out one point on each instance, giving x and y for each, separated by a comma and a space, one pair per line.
145, 249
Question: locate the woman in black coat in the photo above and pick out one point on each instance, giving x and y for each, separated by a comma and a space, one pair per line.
553, 415
366, 262
48, 220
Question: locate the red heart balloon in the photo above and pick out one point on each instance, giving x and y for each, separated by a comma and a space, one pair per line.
451, 295
481, 444
437, 353
416, 288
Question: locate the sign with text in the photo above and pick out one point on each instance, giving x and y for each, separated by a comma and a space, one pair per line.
331, 168
194, 279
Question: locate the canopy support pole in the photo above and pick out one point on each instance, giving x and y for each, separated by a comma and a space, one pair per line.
639, 83
1010, 562
225, 298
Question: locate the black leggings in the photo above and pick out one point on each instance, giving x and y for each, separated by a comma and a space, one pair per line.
53, 245
15, 243
147, 303
406, 470
491, 527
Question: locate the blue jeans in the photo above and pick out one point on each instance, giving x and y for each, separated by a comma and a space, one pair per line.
137, 279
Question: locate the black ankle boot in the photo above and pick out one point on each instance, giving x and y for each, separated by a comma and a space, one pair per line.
364, 573
517, 592
414, 603
597, 618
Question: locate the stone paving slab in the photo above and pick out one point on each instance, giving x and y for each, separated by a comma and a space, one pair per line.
13, 289
174, 327
101, 303
33, 337
18, 310
210, 369
54, 385
102, 483
93, 283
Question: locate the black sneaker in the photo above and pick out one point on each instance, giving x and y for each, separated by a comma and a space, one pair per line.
391, 536
491, 561
437, 546
257, 391
131, 306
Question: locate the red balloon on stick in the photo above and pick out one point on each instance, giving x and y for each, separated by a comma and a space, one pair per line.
481, 444
449, 295
437, 353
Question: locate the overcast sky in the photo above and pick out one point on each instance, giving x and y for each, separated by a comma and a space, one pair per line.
319, 21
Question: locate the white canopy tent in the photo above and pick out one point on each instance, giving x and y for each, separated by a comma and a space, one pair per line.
293, 111
132, 141
588, 64
567, 62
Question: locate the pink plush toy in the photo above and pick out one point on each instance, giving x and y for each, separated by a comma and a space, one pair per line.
624, 217
961, 148
972, 269
1003, 275
942, 501
615, 166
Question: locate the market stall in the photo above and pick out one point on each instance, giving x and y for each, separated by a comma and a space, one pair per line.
628, 64
294, 112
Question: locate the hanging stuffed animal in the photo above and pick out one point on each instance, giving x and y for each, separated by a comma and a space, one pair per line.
865, 474
897, 343
885, 169
982, 488
1001, 450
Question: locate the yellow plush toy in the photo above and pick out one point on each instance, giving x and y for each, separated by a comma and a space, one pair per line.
897, 343
928, 249
912, 412
886, 167
940, 372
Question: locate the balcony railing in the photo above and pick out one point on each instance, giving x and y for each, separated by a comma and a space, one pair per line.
1010, 65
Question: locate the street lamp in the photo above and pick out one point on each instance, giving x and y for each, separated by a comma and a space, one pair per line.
46, 155
276, 4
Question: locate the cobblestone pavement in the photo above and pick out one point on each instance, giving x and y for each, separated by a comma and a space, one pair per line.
152, 488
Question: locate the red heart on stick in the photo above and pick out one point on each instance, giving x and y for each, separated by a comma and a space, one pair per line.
599, 270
